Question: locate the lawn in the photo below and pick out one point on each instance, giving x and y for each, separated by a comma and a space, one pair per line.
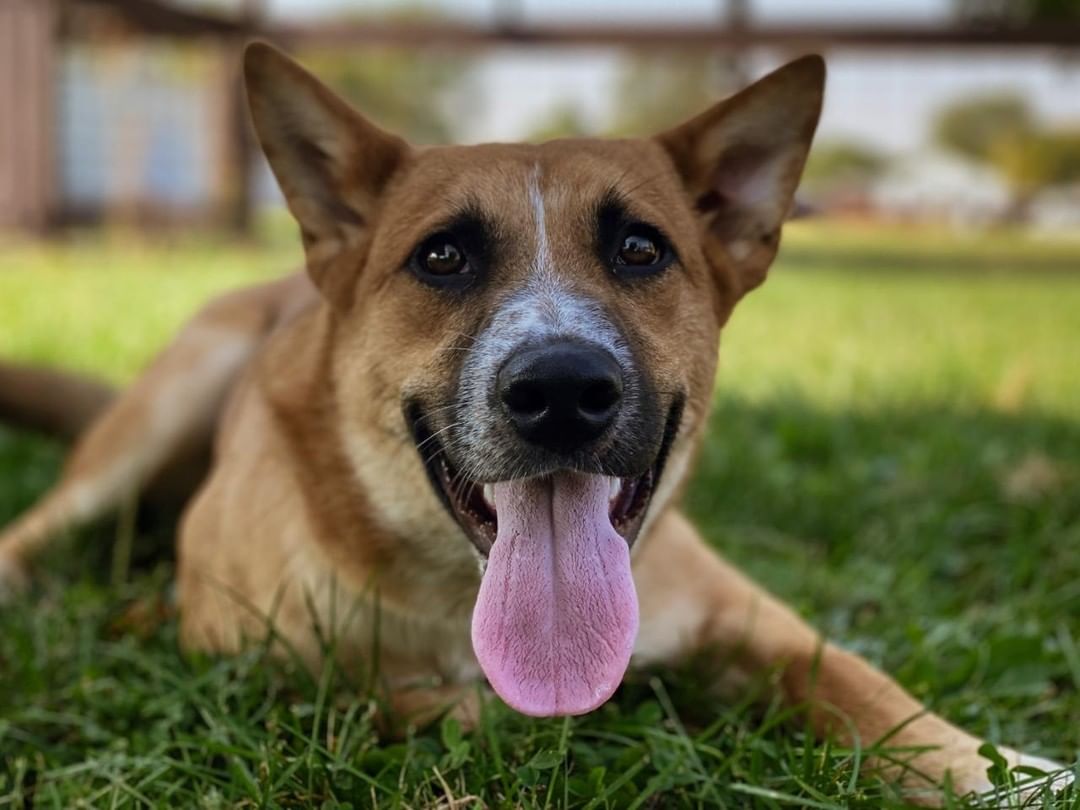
895, 450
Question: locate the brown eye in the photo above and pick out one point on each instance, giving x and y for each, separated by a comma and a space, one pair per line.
453, 257
642, 251
441, 256
639, 250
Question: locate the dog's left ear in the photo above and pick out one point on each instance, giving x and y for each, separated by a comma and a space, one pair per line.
741, 161
331, 163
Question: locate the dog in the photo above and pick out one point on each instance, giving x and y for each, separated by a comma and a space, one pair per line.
461, 435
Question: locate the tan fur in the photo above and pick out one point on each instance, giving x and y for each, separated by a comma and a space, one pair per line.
317, 509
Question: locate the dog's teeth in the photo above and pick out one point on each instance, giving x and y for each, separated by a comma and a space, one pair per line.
489, 496
615, 487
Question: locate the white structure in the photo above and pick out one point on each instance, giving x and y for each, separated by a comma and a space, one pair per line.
1057, 210
937, 186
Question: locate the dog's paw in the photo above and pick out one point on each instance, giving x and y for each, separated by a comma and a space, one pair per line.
14, 579
1034, 776
993, 777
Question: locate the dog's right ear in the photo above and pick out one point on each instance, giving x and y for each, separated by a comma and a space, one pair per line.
741, 160
330, 162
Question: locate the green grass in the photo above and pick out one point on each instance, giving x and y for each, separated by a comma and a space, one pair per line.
895, 450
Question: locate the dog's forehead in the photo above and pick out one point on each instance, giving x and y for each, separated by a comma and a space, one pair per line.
503, 180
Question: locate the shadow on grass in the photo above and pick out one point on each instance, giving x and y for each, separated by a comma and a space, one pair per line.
958, 490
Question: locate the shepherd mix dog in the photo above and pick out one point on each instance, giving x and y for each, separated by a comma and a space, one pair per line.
462, 434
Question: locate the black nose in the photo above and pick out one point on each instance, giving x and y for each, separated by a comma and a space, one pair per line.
561, 395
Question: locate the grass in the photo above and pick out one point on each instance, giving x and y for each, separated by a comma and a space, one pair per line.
895, 450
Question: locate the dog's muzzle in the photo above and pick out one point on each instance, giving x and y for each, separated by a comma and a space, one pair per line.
550, 474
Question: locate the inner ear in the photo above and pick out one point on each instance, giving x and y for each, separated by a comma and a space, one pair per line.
740, 199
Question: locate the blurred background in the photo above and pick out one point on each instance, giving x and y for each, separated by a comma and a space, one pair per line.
957, 112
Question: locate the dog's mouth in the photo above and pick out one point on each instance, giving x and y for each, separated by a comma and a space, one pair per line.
556, 616
473, 506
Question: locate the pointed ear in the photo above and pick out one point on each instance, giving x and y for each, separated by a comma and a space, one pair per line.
742, 159
330, 162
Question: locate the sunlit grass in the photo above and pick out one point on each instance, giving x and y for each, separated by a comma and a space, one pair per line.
106, 306
866, 337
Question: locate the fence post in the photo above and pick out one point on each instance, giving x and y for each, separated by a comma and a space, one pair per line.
27, 112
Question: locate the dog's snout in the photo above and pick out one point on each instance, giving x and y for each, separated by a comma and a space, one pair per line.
562, 395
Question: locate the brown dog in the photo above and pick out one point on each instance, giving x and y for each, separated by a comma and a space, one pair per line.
484, 394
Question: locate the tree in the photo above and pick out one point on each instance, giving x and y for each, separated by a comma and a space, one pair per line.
842, 164
1054, 10
1002, 132
423, 97
974, 128
655, 92
1038, 160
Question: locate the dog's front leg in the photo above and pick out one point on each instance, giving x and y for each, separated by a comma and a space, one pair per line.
692, 599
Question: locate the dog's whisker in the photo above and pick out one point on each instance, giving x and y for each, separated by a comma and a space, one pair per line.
435, 435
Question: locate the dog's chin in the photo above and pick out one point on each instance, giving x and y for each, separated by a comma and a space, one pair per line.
472, 503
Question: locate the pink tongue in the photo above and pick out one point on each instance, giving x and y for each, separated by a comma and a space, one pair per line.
557, 613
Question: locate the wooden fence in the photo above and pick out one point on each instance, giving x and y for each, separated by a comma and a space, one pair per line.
27, 44
34, 32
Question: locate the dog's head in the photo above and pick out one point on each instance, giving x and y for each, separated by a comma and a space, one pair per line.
525, 340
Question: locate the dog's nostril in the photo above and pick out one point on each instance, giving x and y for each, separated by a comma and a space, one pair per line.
599, 397
525, 399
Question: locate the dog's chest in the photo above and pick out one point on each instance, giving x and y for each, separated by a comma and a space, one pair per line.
410, 642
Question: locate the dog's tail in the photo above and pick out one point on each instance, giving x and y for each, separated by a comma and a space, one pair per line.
56, 403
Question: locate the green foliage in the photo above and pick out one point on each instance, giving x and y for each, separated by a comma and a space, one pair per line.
1063, 153
1038, 160
893, 450
565, 121
1003, 132
655, 92
974, 127
842, 163
423, 97
1055, 10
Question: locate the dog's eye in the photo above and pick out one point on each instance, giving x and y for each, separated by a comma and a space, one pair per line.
441, 261
441, 256
638, 250
641, 251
